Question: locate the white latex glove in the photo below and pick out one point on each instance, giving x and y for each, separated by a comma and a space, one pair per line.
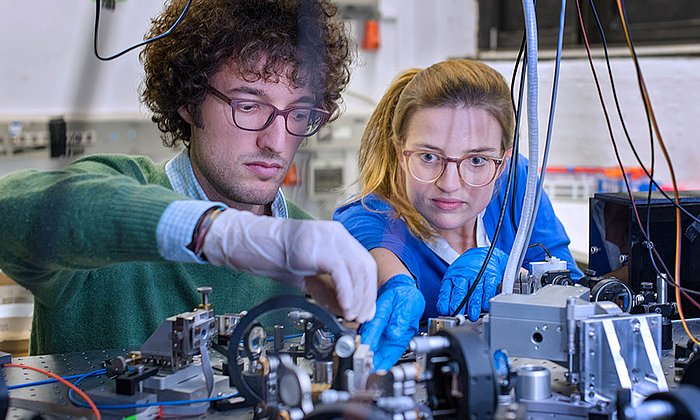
289, 249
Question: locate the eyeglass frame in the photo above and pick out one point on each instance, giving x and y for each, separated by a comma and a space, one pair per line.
458, 161
276, 112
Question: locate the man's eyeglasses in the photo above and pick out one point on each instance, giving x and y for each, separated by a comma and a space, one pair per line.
475, 170
253, 115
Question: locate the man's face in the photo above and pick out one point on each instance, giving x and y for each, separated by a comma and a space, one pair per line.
244, 169
449, 204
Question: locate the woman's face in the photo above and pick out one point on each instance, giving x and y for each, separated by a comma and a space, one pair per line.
449, 204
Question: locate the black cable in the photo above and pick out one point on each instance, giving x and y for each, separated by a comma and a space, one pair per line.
550, 124
512, 169
546, 251
670, 280
650, 174
646, 110
647, 233
517, 111
650, 245
511, 174
147, 41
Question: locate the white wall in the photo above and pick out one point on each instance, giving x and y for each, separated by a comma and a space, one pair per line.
414, 33
580, 134
47, 66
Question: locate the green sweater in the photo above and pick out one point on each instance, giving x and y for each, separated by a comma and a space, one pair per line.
83, 241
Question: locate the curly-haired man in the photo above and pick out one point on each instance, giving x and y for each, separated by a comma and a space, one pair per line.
114, 244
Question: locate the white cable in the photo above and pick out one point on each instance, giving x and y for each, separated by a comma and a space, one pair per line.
526, 218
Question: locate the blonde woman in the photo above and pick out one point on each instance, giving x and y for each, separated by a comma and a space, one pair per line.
431, 163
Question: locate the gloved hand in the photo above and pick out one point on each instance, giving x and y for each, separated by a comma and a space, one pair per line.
460, 276
400, 306
289, 249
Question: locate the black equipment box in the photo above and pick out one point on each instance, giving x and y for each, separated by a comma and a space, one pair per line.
618, 247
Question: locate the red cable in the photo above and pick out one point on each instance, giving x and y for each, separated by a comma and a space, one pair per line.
64, 382
624, 176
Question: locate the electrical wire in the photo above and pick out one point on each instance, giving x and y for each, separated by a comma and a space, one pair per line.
647, 100
147, 41
75, 401
286, 337
512, 169
648, 173
551, 116
517, 109
529, 209
44, 382
88, 402
510, 186
653, 253
546, 251
512, 174
80, 377
550, 124
617, 155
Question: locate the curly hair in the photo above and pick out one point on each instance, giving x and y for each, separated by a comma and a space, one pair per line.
302, 40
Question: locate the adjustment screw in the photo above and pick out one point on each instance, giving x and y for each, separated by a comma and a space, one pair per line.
204, 290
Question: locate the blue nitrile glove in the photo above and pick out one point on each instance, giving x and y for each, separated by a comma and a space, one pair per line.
400, 306
460, 276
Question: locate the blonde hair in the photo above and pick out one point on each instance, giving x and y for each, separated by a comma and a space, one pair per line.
454, 83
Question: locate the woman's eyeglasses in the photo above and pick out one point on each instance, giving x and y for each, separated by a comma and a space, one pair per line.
474, 169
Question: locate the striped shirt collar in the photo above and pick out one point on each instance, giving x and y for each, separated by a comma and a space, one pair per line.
181, 176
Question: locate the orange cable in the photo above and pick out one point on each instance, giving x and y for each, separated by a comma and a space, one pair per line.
612, 137
64, 382
647, 100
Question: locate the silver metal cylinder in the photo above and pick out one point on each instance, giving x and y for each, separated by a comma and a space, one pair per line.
405, 371
661, 287
444, 322
345, 346
571, 335
323, 372
534, 383
428, 344
331, 396
278, 340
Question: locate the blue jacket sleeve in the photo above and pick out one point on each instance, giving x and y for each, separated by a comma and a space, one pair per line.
373, 224
547, 231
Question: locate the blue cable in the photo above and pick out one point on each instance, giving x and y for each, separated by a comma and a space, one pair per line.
286, 337
48, 381
82, 376
72, 398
